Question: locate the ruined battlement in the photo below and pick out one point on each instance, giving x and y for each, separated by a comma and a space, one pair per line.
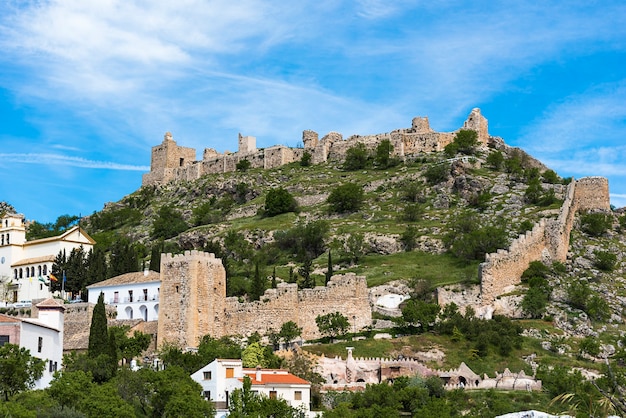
193, 302
171, 162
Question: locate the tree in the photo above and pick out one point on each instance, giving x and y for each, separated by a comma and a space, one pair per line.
306, 159
253, 355
168, 223
329, 270
289, 331
437, 173
496, 160
465, 142
420, 312
346, 198
245, 403
605, 260
279, 201
96, 266
382, 158
98, 331
595, 224
243, 165
155, 256
18, 370
308, 282
130, 347
356, 158
332, 324
258, 283
409, 238
123, 258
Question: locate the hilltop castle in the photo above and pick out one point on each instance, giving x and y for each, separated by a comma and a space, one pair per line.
172, 162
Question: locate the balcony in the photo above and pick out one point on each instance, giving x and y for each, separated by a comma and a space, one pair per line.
138, 299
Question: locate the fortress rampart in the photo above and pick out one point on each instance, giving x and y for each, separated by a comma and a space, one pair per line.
193, 303
172, 162
547, 241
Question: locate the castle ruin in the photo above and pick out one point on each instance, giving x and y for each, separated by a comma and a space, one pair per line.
193, 303
172, 162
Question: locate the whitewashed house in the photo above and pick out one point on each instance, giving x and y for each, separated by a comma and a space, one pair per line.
220, 377
25, 266
43, 336
135, 295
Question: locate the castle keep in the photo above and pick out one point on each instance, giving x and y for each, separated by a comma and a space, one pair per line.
171, 162
193, 303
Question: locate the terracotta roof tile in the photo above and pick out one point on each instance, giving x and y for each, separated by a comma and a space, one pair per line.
276, 379
34, 260
129, 278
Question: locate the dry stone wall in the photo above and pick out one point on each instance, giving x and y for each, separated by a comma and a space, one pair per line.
193, 303
171, 162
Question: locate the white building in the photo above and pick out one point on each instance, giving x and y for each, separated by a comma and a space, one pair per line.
26, 265
136, 295
43, 336
220, 377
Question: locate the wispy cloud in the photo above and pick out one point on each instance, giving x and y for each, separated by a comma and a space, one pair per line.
56, 159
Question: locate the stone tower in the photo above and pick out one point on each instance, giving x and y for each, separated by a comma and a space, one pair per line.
247, 144
192, 297
477, 122
166, 158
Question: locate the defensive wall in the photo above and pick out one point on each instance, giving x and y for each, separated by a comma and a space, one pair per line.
548, 240
193, 303
170, 162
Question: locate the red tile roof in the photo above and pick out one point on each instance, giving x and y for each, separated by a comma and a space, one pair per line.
276, 379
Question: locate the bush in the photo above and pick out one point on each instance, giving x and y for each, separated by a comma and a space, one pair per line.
382, 158
549, 176
495, 160
605, 261
412, 212
481, 240
279, 201
437, 173
168, 224
306, 159
304, 240
346, 198
465, 142
356, 158
409, 238
536, 269
595, 224
243, 165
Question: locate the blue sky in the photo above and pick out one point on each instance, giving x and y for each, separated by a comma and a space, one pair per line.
88, 87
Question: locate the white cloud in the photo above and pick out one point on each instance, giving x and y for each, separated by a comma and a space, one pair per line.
67, 161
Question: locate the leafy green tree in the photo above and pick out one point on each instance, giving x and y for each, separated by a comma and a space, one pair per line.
420, 312
534, 302
346, 198
244, 403
18, 370
412, 212
243, 165
304, 240
437, 173
289, 331
259, 283
465, 142
279, 201
534, 191
578, 293
168, 223
332, 324
357, 158
308, 281
129, 347
409, 238
123, 258
354, 247
253, 355
495, 160
382, 157
549, 176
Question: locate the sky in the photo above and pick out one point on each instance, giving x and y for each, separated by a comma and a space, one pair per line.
88, 87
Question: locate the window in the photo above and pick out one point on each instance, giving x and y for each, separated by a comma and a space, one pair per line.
15, 271
207, 395
39, 344
27, 272
297, 395
21, 273
272, 394
116, 297
39, 270
130, 295
4, 339
50, 366
32, 271
230, 372
45, 269
145, 294
207, 375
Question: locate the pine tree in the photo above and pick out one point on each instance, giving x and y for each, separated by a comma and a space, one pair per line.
308, 282
98, 332
155, 257
258, 284
274, 285
96, 266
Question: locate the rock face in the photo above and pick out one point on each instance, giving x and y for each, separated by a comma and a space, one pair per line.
193, 303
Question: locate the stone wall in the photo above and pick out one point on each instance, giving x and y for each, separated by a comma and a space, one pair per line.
193, 303
170, 162
547, 241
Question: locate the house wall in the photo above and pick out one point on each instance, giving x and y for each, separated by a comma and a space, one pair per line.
139, 308
51, 349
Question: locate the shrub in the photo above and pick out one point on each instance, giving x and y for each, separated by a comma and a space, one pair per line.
382, 158
495, 160
437, 173
279, 201
168, 224
534, 302
475, 244
605, 261
549, 176
304, 240
595, 224
412, 192
346, 198
409, 238
578, 294
465, 142
412, 212
535, 269
356, 158
306, 159
243, 165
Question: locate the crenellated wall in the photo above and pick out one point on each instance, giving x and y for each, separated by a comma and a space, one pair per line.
171, 162
193, 303
547, 241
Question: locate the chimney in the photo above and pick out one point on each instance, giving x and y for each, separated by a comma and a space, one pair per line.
258, 376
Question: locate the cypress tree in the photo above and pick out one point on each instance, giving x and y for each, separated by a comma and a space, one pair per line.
274, 278
329, 272
258, 284
98, 332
